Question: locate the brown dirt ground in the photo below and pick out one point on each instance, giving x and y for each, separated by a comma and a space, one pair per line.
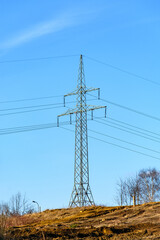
95, 222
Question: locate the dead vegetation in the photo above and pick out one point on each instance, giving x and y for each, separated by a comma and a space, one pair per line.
96, 222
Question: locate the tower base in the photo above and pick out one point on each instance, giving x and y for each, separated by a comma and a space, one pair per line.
81, 196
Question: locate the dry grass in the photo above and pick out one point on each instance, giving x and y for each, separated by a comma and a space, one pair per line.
96, 222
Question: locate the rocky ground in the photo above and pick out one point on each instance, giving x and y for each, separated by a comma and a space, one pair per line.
96, 222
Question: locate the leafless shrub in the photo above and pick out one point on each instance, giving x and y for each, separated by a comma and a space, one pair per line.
19, 205
122, 194
144, 187
3, 221
149, 180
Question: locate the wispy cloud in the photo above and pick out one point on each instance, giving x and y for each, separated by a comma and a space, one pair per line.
66, 20
39, 30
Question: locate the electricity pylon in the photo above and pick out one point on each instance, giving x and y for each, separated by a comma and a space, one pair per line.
81, 194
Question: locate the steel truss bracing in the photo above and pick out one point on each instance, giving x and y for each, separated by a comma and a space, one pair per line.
81, 194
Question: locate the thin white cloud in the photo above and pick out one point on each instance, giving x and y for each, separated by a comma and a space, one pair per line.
39, 30
67, 19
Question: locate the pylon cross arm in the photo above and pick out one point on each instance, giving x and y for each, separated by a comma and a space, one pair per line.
74, 111
92, 107
68, 112
94, 89
70, 94
87, 90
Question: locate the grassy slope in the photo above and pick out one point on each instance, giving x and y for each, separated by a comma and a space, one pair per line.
96, 222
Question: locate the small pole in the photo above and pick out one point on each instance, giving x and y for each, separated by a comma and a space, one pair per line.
64, 101
98, 93
39, 208
105, 111
57, 121
134, 201
91, 114
70, 118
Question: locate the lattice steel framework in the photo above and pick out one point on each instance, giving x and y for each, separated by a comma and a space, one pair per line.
81, 194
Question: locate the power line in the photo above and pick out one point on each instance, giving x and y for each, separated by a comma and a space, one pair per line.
129, 131
154, 140
121, 140
50, 106
132, 110
32, 127
29, 111
129, 109
38, 106
28, 107
116, 145
132, 131
75, 55
145, 130
137, 131
113, 103
26, 128
30, 99
5, 131
131, 150
52, 125
123, 70
37, 58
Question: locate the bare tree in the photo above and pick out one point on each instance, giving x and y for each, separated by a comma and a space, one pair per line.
134, 189
144, 187
122, 193
4, 209
119, 194
149, 180
19, 205
3, 220
4, 213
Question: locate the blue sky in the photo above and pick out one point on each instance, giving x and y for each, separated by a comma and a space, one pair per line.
122, 33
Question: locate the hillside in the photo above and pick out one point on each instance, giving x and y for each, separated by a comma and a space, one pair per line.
96, 222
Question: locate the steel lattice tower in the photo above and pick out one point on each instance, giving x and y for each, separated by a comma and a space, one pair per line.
81, 194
